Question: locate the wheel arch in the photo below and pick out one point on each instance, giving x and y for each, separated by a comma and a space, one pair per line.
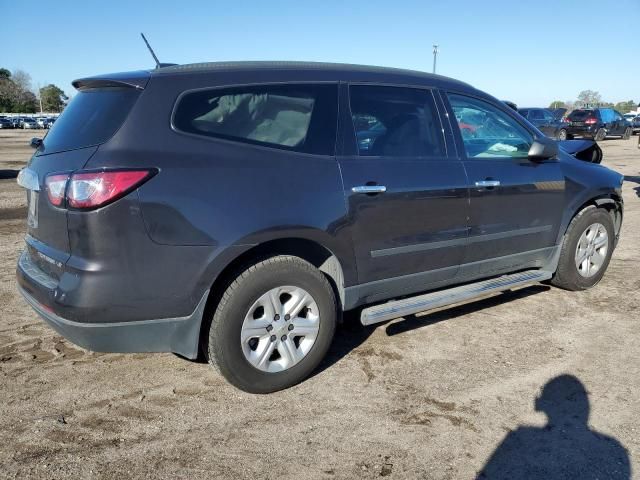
610, 202
312, 251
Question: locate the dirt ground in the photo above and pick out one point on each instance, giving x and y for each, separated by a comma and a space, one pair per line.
428, 397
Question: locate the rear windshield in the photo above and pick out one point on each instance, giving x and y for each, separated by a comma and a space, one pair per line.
91, 118
581, 114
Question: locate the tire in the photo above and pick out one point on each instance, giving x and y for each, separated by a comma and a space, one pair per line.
627, 134
568, 275
600, 135
249, 366
562, 135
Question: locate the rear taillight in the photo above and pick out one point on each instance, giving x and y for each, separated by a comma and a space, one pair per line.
590, 121
93, 189
56, 186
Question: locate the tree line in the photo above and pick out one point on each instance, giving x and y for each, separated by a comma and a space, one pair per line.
17, 96
591, 98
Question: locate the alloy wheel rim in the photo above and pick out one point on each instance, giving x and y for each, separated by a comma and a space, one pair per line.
280, 329
591, 251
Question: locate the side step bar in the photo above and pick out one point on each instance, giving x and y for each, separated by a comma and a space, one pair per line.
450, 296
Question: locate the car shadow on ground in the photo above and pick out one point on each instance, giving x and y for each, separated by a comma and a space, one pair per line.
566, 447
351, 334
5, 174
634, 179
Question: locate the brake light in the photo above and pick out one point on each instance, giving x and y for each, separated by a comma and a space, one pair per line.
95, 189
56, 185
590, 121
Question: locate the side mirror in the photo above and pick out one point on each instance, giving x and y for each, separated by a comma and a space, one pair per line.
543, 149
35, 142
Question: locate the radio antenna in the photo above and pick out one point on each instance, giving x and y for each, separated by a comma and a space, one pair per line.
150, 50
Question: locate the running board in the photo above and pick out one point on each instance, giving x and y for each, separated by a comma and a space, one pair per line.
450, 296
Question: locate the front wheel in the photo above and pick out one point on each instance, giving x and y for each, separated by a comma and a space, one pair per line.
600, 135
586, 250
627, 134
273, 325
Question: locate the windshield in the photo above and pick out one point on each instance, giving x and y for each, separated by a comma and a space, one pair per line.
91, 118
581, 114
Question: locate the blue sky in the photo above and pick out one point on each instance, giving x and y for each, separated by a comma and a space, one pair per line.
527, 52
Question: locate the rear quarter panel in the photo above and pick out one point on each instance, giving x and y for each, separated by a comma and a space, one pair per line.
218, 194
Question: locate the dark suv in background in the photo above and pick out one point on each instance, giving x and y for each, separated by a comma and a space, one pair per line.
546, 121
238, 208
597, 123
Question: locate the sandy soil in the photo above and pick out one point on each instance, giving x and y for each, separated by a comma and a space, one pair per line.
428, 397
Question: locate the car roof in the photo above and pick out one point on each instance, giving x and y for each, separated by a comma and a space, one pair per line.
346, 68
284, 70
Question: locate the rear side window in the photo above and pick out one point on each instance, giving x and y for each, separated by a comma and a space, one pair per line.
536, 115
395, 121
296, 117
91, 118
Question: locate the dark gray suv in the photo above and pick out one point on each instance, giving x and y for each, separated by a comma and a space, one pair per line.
236, 209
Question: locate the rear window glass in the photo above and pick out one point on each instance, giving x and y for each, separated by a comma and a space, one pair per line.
91, 118
581, 114
395, 122
291, 117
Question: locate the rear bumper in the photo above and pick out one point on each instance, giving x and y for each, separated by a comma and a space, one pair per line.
588, 131
179, 335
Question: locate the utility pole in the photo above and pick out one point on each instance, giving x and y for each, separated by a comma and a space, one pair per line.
40, 96
435, 56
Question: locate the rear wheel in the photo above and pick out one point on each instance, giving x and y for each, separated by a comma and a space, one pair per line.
600, 135
562, 134
627, 134
273, 325
586, 250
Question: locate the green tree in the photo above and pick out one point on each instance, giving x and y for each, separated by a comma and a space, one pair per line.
558, 104
15, 92
624, 107
589, 98
25, 102
53, 98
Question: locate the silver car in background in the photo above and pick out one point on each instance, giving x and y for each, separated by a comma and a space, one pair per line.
29, 123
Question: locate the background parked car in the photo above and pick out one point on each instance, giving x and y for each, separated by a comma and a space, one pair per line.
42, 122
597, 123
50, 121
5, 123
15, 122
546, 121
634, 120
28, 123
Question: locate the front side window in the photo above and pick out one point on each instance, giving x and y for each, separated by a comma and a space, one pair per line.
291, 117
487, 131
395, 121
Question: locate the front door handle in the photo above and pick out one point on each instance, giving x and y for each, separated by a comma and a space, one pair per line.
488, 183
369, 189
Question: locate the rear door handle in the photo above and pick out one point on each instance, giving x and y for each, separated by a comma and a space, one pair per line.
369, 189
488, 183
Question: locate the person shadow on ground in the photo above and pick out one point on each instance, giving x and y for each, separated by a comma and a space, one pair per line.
565, 448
